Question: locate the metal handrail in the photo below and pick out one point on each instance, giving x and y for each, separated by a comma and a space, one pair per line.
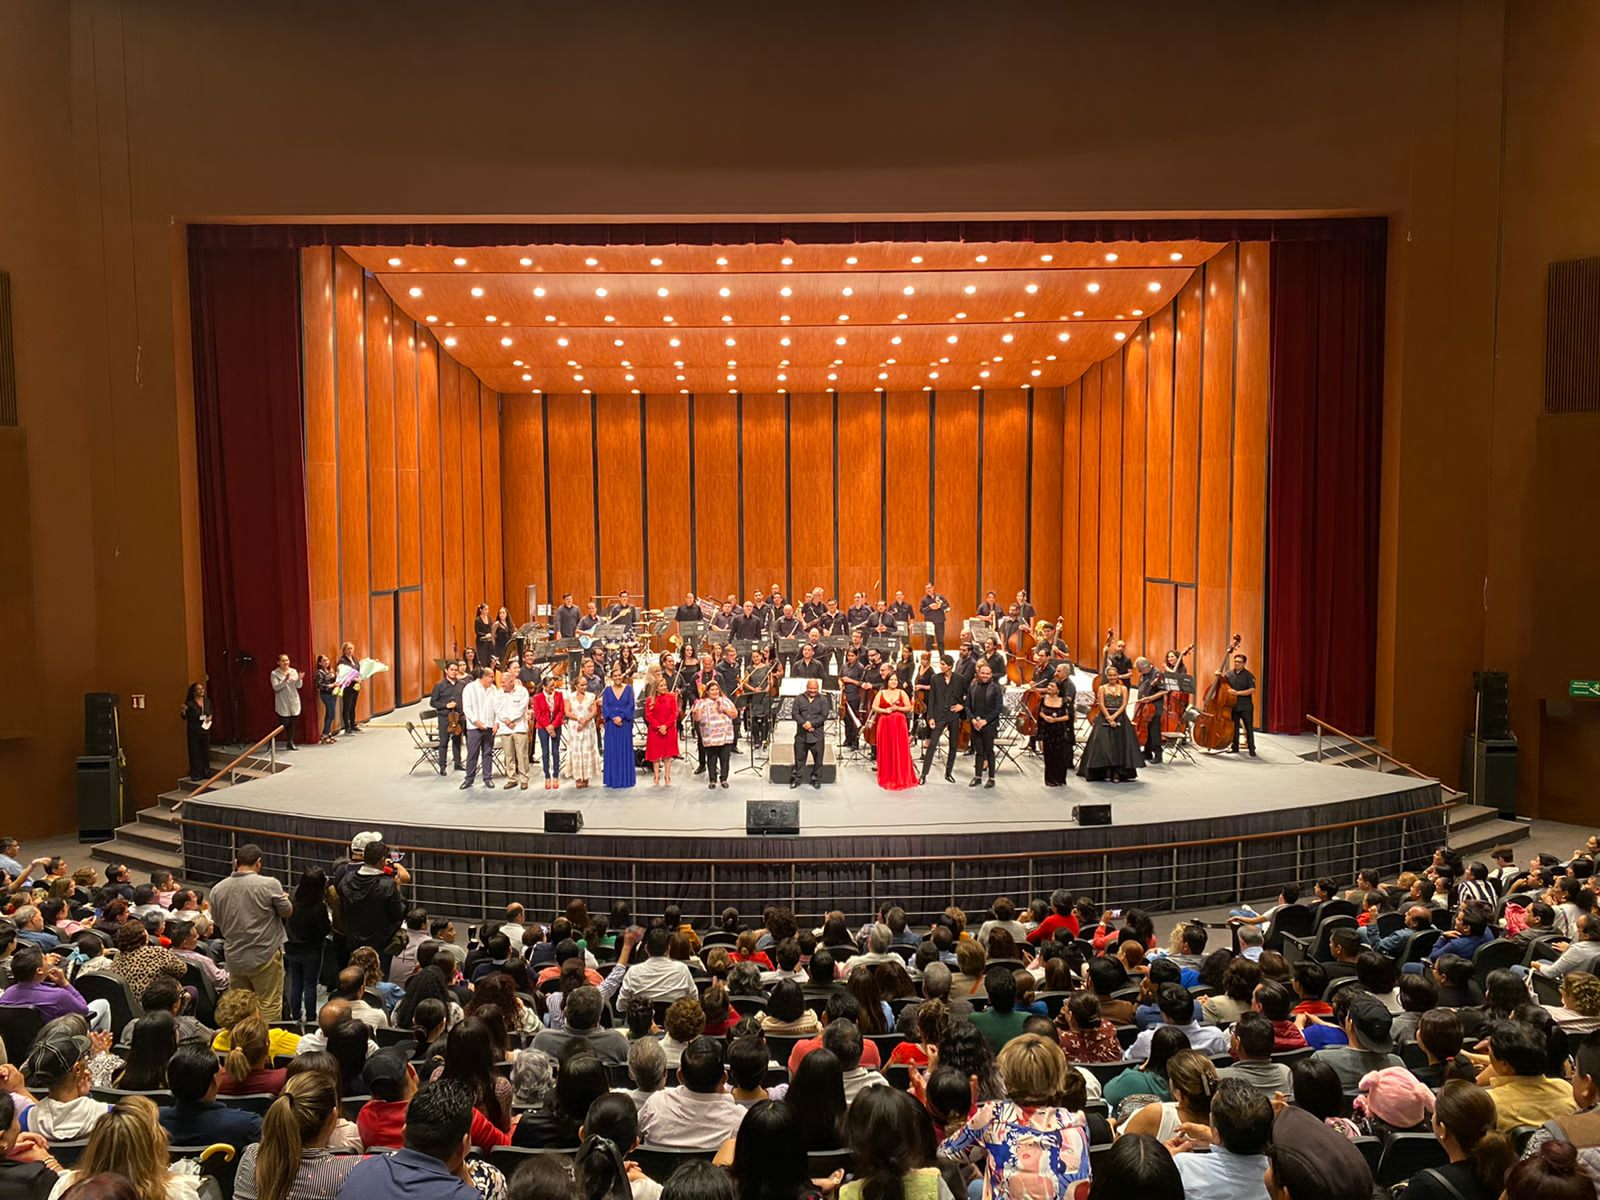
232, 767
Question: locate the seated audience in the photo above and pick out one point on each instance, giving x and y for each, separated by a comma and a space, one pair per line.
237, 1003
816, 1093
438, 1124
583, 1009
1464, 1121
164, 995
293, 1160
685, 1021
1523, 1094
1136, 1165
57, 1064
46, 991
1235, 1166
1177, 1010
1579, 1010
919, 1050
1001, 1021
247, 1068
129, 1141
1439, 1037
891, 1148
647, 1067
1308, 1161
698, 1114
1150, 1077
1192, 1080
1251, 1048
1239, 981
1316, 1089
1086, 1035
787, 1014
1394, 1100
195, 1117
844, 1040
1370, 1045
469, 1059
154, 1041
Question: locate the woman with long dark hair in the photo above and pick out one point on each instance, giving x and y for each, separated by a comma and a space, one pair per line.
305, 935
1136, 1165
1464, 1121
154, 1042
891, 1148
875, 1016
580, 1081
427, 984
197, 730
483, 636
323, 680
966, 1049
816, 1093
348, 669
769, 1158
470, 1056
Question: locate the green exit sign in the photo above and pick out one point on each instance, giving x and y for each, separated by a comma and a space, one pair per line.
1589, 689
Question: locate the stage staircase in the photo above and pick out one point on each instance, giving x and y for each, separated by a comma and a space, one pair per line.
153, 838
1474, 828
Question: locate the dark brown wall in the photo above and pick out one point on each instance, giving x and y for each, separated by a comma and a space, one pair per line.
145, 115
384, 459
848, 493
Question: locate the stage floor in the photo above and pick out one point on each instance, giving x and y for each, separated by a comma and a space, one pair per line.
362, 780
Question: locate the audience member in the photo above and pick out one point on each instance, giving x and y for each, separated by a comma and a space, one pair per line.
1523, 1094
1235, 1167
438, 1124
698, 1114
1136, 1165
1308, 1161
1464, 1121
1251, 1048
129, 1141
816, 1093
1192, 1080
1370, 1047
1177, 1010
250, 909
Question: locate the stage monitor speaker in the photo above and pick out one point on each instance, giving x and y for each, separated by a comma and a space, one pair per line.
1092, 814
563, 820
99, 785
100, 739
767, 818
1494, 705
1489, 773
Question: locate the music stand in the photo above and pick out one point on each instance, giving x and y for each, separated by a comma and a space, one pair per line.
717, 637
789, 647
691, 631
884, 644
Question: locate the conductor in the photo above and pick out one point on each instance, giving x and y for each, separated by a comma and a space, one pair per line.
811, 714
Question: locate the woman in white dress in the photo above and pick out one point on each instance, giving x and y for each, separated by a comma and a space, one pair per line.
583, 710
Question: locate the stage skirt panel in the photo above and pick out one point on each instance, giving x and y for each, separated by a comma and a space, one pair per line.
895, 771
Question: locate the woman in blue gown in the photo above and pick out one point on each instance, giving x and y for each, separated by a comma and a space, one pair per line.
616, 713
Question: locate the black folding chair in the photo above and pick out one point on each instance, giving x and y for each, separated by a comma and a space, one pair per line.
1406, 1154
660, 1162
18, 1029
114, 990
427, 747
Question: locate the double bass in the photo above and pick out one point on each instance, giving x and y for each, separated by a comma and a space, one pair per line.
1019, 651
1213, 728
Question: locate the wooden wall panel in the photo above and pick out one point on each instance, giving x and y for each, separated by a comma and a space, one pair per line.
666, 424
811, 491
472, 499
1005, 491
860, 433
571, 489
1112, 483
416, 675
431, 482
494, 579
1216, 451
955, 567
408, 510
1134, 362
522, 485
380, 689
1247, 579
906, 513
1160, 616
382, 496
621, 497
1186, 431
350, 392
716, 501
457, 632
1045, 504
1090, 624
1158, 453
766, 494
321, 448
1074, 511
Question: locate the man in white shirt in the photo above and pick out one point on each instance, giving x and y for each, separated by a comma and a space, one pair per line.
842, 1038
1236, 1167
879, 938
352, 990
1177, 1008
657, 977
511, 726
699, 1114
787, 955
480, 708
516, 921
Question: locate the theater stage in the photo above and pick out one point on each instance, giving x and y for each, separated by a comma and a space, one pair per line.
1197, 831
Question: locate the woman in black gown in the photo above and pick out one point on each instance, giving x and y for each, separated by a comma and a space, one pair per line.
503, 632
1113, 751
483, 636
1055, 730
197, 723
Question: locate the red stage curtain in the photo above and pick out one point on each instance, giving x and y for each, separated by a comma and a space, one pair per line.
1325, 440
257, 598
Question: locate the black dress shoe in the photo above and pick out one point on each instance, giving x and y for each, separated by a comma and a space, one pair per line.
949, 778
794, 783
922, 780
817, 783
465, 784
989, 783
700, 770
975, 781
1252, 754
724, 783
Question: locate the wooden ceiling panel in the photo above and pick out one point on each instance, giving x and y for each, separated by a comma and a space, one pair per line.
771, 318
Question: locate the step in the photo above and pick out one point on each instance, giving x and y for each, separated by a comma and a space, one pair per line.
1469, 816
1485, 835
140, 858
166, 838
159, 814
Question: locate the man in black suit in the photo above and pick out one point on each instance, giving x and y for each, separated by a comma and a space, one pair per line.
985, 701
947, 697
883, 622
900, 610
446, 699
689, 610
811, 713
934, 609
860, 612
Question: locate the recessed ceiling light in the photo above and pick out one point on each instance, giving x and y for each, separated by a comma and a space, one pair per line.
667, 317
1093, 288
527, 379
1007, 337
536, 391
952, 339
477, 291
1047, 258
733, 362
505, 341
908, 290
732, 378
883, 374
1119, 335
610, 318
1138, 312
662, 292
449, 341
632, 391
677, 364
961, 316
944, 360
839, 341
517, 362
970, 289
1019, 314
1176, 256
491, 318
722, 262
786, 291
896, 340
561, 341
916, 258
674, 341
655, 262
983, 374
591, 262
1036, 372
786, 261
587, 392
724, 292
783, 317
1031, 289
1077, 312
999, 358
900, 316
1111, 256
933, 374
727, 319
889, 362
549, 316
460, 262
849, 291
527, 262
844, 316
785, 340
729, 342
538, 291
601, 292
982, 258
851, 261
416, 291
616, 341
679, 378
1154, 286
832, 376
1063, 337
626, 363
1049, 358
394, 262
783, 379
682, 391
430, 318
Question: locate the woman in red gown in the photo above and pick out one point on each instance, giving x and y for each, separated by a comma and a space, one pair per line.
660, 727
891, 711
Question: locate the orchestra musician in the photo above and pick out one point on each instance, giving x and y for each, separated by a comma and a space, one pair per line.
503, 630
883, 622
483, 636
859, 614
446, 701
788, 625
590, 618
921, 678
947, 698
808, 665
1153, 692
1243, 684
724, 617
811, 713
1114, 657
935, 609
748, 625
689, 610
966, 661
990, 609
727, 672
900, 611
851, 676
812, 608
985, 703
566, 617
993, 657
1026, 612
757, 698
623, 612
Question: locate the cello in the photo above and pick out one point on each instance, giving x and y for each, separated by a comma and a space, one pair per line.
1177, 702
1213, 728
